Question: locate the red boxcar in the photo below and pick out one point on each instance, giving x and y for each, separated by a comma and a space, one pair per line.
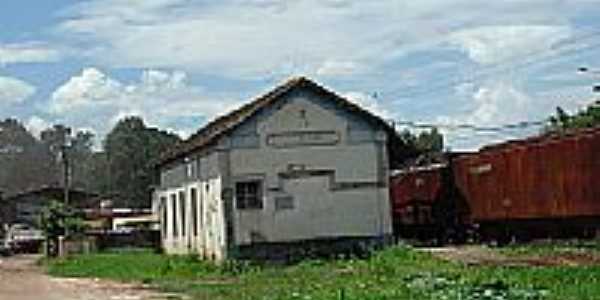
554, 177
414, 192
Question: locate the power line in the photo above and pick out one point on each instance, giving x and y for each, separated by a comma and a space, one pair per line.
466, 126
530, 59
557, 52
481, 73
521, 125
504, 127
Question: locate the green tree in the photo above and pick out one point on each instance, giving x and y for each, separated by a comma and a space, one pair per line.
79, 154
25, 162
98, 176
561, 121
424, 142
131, 149
430, 141
58, 219
408, 146
55, 137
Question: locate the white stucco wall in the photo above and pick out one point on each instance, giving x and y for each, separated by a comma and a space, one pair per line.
321, 208
206, 215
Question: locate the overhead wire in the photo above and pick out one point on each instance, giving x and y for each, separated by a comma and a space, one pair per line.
527, 60
472, 77
465, 126
558, 52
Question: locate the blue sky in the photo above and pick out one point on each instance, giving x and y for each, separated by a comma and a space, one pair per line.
179, 63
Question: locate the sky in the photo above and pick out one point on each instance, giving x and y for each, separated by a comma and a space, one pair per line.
180, 63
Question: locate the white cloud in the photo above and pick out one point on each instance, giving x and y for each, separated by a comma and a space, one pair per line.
370, 103
13, 90
36, 125
495, 44
254, 38
491, 104
392, 47
91, 88
32, 52
500, 103
494, 104
338, 68
93, 99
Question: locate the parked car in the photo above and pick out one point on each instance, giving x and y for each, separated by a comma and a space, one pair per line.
5, 250
23, 238
4, 247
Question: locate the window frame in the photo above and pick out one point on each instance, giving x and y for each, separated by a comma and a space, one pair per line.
248, 197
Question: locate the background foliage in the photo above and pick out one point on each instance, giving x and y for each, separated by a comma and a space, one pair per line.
122, 167
562, 121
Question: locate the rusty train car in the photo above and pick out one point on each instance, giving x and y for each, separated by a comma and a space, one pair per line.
415, 192
546, 186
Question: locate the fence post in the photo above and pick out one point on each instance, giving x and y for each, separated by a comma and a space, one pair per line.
61, 246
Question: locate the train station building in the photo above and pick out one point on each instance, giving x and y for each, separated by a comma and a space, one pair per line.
297, 166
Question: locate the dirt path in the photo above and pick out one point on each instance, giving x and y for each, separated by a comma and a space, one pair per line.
470, 255
21, 279
481, 255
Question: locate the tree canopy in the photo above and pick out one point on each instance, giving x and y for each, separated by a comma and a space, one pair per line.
589, 117
425, 141
123, 167
131, 147
409, 146
26, 163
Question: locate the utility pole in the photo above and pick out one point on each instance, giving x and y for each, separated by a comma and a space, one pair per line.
66, 174
66, 181
65, 159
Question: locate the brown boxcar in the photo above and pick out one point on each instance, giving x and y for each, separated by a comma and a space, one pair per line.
550, 180
413, 193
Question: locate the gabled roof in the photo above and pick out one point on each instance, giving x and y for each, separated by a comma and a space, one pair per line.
51, 191
209, 134
46, 189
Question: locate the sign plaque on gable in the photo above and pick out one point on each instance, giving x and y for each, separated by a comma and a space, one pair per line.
303, 138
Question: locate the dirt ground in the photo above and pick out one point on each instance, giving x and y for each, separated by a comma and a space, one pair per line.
22, 279
482, 255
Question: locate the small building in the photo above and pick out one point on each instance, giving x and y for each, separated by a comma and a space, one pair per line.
105, 219
297, 166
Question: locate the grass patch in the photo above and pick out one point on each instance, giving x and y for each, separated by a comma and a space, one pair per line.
141, 266
396, 273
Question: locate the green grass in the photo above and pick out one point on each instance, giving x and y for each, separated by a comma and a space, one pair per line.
396, 273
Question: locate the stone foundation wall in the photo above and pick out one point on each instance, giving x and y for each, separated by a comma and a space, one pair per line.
318, 248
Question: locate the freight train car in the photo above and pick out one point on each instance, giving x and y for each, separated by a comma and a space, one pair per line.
426, 206
415, 192
539, 187
545, 186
